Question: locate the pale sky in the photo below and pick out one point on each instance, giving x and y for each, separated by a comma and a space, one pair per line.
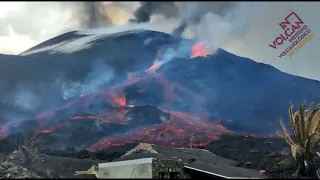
306, 62
23, 25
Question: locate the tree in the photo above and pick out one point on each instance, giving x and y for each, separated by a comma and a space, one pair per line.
305, 126
27, 145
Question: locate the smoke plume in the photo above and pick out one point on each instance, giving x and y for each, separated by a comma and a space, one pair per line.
30, 23
149, 9
214, 22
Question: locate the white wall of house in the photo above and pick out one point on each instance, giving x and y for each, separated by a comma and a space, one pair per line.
140, 168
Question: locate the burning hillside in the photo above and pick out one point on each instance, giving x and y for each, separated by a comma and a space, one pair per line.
118, 105
158, 89
181, 130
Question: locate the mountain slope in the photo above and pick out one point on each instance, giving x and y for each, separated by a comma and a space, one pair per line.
103, 78
239, 88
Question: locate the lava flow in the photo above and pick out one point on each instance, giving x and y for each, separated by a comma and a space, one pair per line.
199, 50
154, 67
124, 105
176, 132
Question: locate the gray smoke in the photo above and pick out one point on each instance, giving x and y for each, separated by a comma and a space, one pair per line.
35, 22
92, 10
192, 13
212, 23
209, 22
147, 9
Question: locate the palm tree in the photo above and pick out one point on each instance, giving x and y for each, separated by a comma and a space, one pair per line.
305, 125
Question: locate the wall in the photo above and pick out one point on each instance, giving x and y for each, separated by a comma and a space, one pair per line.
126, 171
166, 166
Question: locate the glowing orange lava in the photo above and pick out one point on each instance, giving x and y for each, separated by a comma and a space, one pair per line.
155, 66
117, 98
199, 50
177, 132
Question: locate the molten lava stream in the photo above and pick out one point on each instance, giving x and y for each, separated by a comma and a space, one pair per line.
199, 50
177, 132
118, 99
156, 65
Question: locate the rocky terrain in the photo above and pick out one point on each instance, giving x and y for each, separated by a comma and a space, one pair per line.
43, 166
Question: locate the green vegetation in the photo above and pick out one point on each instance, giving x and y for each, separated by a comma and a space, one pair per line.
305, 125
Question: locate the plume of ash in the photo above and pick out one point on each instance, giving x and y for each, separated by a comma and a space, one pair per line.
212, 23
98, 14
207, 21
148, 9
92, 12
101, 14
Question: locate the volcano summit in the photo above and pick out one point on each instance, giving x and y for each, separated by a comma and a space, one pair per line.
93, 91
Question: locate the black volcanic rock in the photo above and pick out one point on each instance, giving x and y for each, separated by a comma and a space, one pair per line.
146, 115
144, 94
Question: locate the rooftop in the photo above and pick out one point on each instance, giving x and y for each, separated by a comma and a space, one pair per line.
199, 160
127, 162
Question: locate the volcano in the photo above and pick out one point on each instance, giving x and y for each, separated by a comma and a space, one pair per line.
93, 90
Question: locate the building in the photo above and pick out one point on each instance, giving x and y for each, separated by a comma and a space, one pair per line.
156, 162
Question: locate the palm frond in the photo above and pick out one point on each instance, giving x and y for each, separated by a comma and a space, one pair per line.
296, 149
305, 124
288, 160
297, 126
285, 137
301, 120
313, 121
310, 142
292, 120
284, 133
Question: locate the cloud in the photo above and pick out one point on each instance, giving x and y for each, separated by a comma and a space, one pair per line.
33, 22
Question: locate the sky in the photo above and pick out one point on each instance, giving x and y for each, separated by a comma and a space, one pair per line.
254, 44
24, 25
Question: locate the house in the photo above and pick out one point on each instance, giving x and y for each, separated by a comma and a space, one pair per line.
158, 162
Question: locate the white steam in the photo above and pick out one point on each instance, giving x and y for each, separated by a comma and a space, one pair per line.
217, 25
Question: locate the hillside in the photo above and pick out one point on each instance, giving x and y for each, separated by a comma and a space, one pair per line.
98, 84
